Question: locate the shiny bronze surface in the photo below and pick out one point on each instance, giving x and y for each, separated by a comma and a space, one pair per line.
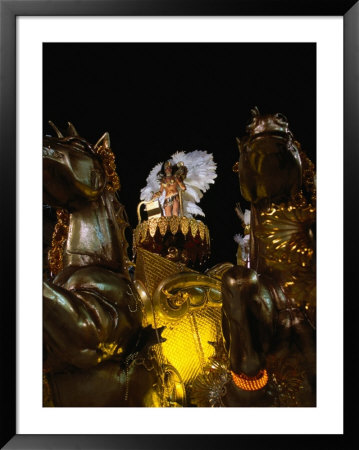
269, 301
96, 351
269, 165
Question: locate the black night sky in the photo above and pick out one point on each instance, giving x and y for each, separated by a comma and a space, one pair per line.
156, 99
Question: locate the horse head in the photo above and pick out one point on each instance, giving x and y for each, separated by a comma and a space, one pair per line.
73, 172
80, 180
269, 163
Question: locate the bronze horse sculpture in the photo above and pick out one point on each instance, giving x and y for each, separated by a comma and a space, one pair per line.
96, 352
269, 299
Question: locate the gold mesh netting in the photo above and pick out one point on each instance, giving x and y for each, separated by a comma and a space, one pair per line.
187, 346
151, 269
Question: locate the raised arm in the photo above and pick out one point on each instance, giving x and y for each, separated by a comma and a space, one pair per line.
181, 183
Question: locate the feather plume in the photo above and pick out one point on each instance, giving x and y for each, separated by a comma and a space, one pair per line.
152, 185
247, 217
243, 244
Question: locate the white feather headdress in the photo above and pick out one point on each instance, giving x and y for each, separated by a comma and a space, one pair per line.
201, 172
244, 241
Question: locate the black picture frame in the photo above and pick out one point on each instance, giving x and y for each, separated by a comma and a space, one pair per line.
9, 10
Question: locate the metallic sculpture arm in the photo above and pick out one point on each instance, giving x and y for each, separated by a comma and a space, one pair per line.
82, 325
71, 330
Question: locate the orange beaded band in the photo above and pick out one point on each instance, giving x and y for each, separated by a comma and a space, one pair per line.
251, 383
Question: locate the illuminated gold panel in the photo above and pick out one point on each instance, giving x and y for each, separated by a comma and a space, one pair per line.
187, 346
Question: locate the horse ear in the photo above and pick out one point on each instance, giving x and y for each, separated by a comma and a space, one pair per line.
103, 141
239, 144
57, 131
71, 130
255, 112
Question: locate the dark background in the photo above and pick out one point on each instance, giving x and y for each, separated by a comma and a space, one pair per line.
155, 99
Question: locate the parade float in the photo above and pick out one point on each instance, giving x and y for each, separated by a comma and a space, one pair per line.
147, 323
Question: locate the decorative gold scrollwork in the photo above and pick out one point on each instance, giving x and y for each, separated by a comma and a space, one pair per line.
146, 302
174, 388
176, 294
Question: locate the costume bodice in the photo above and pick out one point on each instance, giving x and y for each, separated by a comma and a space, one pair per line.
168, 182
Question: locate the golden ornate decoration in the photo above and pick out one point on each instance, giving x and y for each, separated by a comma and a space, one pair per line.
285, 232
143, 231
288, 380
202, 230
137, 235
184, 225
152, 226
107, 157
145, 301
182, 292
164, 236
108, 350
176, 300
246, 383
174, 222
174, 389
207, 235
187, 346
209, 388
162, 225
59, 238
194, 227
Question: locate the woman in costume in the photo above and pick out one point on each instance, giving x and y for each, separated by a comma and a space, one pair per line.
171, 182
166, 182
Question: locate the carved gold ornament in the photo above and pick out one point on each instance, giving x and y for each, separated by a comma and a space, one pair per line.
103, 150
173, 225
107, 350
59, 237
285, 232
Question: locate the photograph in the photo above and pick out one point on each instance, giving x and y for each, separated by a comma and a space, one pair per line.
179, 190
